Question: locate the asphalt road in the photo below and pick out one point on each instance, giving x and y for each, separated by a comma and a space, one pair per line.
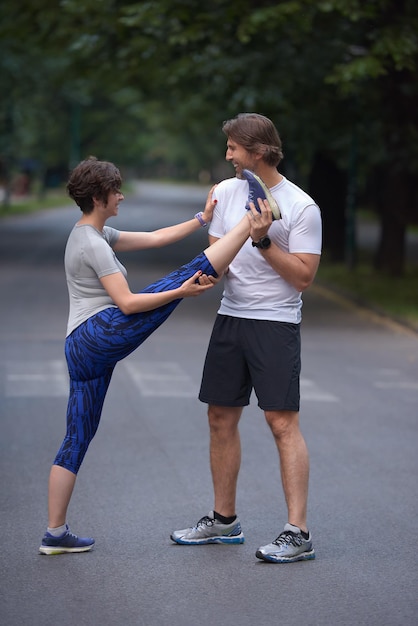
147, 470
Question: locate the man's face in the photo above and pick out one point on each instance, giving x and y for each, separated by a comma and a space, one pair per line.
240, 158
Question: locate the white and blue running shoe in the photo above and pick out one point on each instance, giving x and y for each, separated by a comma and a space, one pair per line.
258, 189
290, 546
67, 542
209, 530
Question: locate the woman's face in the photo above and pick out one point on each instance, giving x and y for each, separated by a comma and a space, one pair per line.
111, 207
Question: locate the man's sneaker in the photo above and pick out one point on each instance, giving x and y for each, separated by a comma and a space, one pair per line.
67, 542
258, 189
289, 546
209, 530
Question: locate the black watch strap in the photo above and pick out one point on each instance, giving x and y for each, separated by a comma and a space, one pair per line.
263, 244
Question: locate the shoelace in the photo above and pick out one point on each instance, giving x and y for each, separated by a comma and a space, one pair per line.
205, 521
70, 535
287, 537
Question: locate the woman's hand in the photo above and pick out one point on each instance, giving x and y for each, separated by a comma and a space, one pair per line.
191, 288
209, 207
118, 289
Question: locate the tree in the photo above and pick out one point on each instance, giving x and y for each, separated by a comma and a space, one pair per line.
380, 77
337, 76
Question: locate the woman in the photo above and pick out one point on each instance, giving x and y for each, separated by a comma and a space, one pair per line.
107, 321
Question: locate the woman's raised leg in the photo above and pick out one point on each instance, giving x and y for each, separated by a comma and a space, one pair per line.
222, 252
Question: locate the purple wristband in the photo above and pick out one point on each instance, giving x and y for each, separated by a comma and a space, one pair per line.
199, 217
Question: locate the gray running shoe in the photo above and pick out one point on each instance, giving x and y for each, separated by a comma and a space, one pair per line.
289, 546
209, 530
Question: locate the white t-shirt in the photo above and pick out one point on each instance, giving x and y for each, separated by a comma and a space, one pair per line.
88, 256
252, 289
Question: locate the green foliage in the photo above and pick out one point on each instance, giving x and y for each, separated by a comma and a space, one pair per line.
50, 200
371, 289
178, 68
148, 84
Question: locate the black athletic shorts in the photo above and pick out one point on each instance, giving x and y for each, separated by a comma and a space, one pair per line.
247, 354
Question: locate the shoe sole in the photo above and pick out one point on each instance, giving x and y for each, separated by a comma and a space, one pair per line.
305, 556
49, 550
272, 202
207, 540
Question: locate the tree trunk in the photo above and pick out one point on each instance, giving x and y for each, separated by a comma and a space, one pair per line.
328, 187
396, 208
390, 255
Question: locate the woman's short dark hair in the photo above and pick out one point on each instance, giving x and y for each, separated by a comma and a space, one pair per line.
256, 133
93, 179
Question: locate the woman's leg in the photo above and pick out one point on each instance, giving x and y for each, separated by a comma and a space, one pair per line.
222, 252
89, 382
60, 489
116, 335
95, 347
84, 410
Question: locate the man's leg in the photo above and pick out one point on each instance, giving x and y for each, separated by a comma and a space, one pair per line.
294, 463
225, 456
221, 525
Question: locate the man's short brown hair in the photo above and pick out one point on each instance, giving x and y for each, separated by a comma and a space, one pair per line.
256, 133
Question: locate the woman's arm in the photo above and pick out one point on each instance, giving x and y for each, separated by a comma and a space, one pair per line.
118, 289
164, 236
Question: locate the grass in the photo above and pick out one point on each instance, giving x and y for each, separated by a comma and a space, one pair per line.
393, 297
51, 199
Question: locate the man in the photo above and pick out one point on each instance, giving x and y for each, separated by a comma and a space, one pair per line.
255, 343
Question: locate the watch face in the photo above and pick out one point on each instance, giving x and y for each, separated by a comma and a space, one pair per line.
265, 242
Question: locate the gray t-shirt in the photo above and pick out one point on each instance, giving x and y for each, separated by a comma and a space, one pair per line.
89, 255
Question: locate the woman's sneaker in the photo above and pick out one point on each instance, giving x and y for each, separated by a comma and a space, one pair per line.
258, 189
289, 546
209, 530
67, 542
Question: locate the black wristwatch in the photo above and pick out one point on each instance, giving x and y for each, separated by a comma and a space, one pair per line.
263, 244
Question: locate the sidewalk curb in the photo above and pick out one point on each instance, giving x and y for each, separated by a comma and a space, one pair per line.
348, 301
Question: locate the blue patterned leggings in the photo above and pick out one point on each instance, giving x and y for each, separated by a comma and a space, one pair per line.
92, 351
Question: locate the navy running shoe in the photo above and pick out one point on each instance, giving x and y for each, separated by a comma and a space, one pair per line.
258, 189
67, 542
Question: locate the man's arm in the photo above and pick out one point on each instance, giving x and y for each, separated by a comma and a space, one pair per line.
297, 269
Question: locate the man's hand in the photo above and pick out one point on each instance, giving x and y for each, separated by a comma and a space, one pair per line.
260, 222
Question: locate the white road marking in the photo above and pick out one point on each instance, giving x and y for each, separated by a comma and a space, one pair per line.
386, 378
392, 380
163, 379
36, 379
168, 379
310, 391
401, 384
